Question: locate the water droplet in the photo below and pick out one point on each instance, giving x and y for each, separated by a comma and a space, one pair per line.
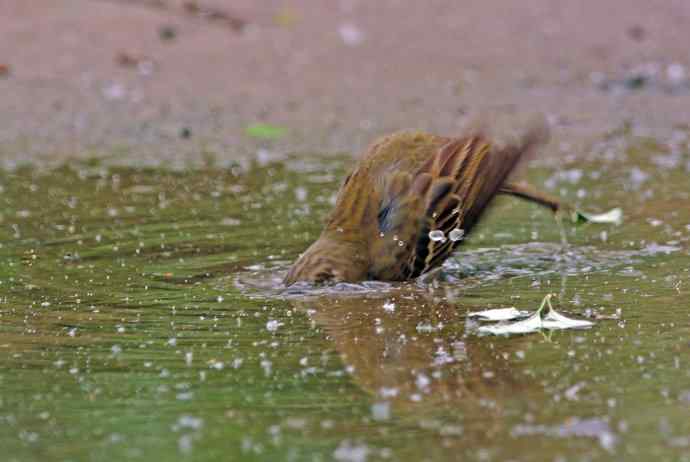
350, 452
437, 236
301, 194
422, 381
389, 306
273, 325
456, 234
381, 411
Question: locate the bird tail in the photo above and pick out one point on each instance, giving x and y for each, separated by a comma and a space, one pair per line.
459, 183
494, 167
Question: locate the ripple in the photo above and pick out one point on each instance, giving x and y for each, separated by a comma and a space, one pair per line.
534, 259
485, 265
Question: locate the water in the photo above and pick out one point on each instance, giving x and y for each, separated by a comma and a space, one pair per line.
141, 317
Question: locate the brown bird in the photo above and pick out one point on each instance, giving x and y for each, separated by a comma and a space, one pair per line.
409, 202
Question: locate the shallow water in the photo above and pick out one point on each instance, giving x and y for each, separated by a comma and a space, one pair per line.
140, 318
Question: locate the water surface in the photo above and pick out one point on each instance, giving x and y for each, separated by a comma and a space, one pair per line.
141, 318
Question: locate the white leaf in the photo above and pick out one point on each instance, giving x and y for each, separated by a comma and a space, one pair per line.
498, 314
526, 326
554, 320
613, 216
544, 318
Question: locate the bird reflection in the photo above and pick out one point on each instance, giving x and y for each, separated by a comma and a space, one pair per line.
413, 350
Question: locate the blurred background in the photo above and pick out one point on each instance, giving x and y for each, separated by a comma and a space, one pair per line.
166, 80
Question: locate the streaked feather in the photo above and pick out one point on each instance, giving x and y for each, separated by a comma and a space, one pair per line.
405, 186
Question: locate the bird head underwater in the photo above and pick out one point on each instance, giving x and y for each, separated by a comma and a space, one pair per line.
410, 201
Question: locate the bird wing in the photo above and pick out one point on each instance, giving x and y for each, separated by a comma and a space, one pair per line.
450, 191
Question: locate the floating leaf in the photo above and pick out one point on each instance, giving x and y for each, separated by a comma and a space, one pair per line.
265, 131
613, 216
498, 314
555, 320
525, 326
544, 318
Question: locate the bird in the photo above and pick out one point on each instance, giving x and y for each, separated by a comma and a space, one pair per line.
410, 201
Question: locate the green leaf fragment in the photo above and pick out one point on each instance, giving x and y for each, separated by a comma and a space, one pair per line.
265, 131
